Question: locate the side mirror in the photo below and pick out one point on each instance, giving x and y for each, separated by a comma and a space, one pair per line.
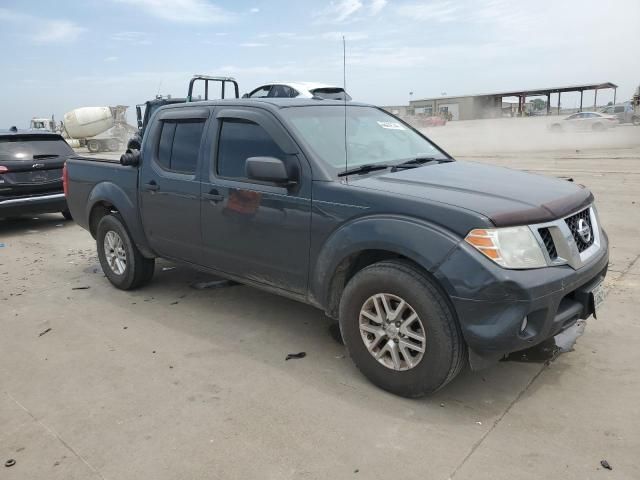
246, 95
130, 158
134, 142
267, 169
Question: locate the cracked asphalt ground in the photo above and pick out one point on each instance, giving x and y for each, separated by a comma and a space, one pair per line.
130, 385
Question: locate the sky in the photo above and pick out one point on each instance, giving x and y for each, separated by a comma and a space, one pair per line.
66, 54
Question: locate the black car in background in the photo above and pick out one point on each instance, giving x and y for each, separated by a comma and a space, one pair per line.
31, 172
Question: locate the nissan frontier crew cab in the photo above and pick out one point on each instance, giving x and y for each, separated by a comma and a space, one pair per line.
425, 261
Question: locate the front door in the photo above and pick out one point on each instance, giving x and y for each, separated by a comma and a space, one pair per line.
250, 229
170, 186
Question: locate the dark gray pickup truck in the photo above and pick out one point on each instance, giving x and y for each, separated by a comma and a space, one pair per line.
425, 261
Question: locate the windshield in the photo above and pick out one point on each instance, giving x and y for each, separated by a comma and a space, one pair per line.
372, 136
28, 148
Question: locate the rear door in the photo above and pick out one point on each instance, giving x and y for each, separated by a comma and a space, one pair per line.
250, 229
32, 164
170, 183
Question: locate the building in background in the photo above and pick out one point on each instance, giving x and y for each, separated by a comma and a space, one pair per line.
494, 105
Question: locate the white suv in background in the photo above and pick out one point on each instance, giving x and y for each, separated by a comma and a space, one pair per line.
298, 90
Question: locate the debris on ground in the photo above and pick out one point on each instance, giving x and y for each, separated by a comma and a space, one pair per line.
81, 288
606, 465
174, 303
213, 284
296, 355
45, 332
10, 463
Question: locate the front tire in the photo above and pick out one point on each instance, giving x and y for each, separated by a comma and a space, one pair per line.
121, 261
400, 329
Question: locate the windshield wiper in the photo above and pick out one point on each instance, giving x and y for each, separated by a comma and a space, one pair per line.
416, 162
364, 169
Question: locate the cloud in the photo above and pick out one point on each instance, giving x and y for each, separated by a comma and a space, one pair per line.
43, 31
440, 11
111, 59
133, 38
338, 12
183, 11
253, 45
376, 6
254, 10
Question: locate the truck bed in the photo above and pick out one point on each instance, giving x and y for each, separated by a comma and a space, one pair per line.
90, 179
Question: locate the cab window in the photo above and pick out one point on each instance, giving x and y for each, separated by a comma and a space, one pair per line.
179, 145
239, 140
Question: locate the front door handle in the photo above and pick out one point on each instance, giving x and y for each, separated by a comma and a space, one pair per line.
213, 196
151, 186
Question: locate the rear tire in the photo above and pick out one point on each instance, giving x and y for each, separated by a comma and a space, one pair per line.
636, 121
408, 372
597, 127
556, 128
93, 146
121, 261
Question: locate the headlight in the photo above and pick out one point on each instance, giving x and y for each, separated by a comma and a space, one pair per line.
512, 247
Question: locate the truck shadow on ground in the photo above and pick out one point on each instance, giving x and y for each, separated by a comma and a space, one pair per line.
31, 224
266, 327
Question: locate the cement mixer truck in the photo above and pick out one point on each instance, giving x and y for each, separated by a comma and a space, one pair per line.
98, 128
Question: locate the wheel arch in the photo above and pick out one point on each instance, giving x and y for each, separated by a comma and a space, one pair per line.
370, 240
107, 198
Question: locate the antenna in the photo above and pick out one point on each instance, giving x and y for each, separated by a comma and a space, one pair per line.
159, 86
344, 97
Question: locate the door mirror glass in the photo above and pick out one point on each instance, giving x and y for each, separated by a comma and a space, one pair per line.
266, 169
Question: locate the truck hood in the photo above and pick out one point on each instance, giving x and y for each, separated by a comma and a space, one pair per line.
507, 197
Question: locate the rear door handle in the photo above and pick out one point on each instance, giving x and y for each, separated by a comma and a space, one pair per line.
151, 186
213, 196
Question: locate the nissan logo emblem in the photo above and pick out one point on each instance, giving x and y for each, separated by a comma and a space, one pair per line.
584, 230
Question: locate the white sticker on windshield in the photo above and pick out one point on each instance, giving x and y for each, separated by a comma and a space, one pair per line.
391, 125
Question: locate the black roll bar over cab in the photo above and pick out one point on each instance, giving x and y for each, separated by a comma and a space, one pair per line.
206, 79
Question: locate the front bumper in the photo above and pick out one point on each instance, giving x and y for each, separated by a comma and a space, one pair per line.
491, 302
24, 205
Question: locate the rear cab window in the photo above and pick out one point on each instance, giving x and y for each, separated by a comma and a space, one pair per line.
179, 145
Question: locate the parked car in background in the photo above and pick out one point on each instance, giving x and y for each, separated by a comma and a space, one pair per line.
585, 121
31, 172
425, 261
623, 112
299, 90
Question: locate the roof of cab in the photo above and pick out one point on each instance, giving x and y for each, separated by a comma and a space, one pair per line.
271, 103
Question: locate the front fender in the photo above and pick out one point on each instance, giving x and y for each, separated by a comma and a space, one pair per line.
425, 243
126, 206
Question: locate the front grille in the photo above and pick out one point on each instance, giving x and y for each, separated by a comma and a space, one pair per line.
545, 234
574, 223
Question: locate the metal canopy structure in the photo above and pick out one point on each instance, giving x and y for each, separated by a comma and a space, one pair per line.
540, 92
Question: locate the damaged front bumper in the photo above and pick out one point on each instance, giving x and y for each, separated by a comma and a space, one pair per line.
492, 303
